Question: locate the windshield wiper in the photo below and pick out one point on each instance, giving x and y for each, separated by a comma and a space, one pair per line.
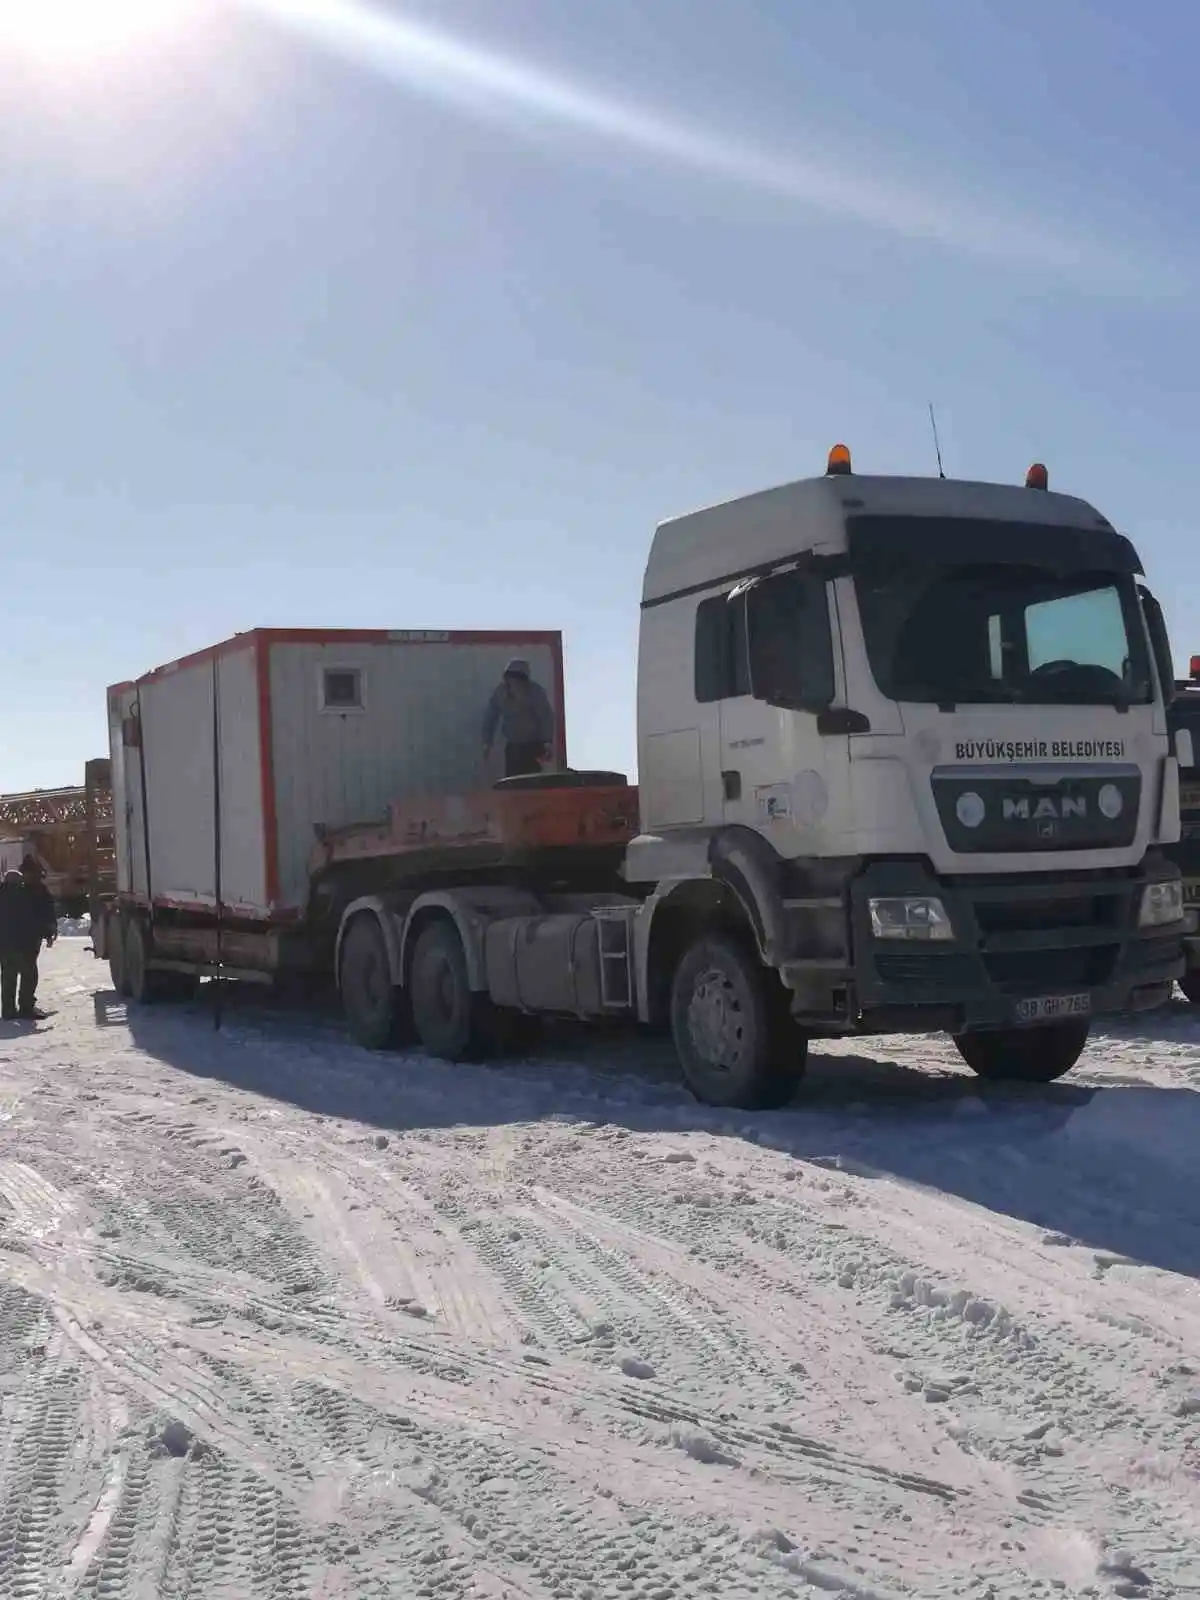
977, 694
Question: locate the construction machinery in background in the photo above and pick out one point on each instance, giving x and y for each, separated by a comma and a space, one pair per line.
904, 766
70, 832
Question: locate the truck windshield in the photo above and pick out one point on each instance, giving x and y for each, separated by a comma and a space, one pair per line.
984, 617
974, 634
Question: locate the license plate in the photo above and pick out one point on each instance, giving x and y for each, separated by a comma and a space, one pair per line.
1054, 1006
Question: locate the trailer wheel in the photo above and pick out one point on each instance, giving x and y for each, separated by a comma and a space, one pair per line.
735, 1039
143, 985
1024, 1055
114, 941
139, 984
375, 1008
452, 1022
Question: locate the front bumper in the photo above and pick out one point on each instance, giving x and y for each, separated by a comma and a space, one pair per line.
1032, 936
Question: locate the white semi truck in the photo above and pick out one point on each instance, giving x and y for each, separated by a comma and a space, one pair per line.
904, 766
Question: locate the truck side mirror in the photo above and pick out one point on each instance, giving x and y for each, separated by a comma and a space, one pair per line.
1160, 644
789, 641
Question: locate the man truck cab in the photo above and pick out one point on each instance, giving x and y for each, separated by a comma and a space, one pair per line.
916, 729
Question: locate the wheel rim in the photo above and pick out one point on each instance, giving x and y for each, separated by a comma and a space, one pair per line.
716, 1022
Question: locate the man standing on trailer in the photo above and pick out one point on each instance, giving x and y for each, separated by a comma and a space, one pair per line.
26, 919
521, 711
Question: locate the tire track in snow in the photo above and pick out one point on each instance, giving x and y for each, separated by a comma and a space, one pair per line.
936, 1329
122, 1549
34, 1484
33, 1208
372, 1227
524, 1515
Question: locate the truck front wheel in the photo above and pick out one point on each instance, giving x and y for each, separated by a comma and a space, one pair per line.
1024, 1055
452, 1022
375, 1008
736, 1042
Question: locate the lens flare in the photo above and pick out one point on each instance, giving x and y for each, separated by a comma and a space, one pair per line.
68, 31
482, 80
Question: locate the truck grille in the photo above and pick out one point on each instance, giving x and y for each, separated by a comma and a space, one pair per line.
1032, 915
1045, 971
924, 970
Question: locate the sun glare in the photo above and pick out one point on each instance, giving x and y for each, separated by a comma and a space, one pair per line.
79, 31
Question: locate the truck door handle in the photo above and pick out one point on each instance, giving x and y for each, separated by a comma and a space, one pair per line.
843, 719
731, 783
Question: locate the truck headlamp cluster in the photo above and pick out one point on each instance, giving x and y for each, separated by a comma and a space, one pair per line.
1162, 904
915, 917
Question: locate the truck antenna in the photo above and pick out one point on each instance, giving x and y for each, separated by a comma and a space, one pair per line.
937, 443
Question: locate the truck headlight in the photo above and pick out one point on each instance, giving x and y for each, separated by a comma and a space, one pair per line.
1161, 903
911, 917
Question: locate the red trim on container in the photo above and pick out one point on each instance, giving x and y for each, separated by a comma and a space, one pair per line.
198, 658
266, 763
334, 636
423, 636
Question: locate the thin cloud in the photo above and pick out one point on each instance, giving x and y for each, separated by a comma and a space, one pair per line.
433, 62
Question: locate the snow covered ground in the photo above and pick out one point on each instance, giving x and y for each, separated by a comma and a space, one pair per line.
282, 1319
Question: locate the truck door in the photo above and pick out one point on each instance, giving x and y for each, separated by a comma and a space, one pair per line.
782, 774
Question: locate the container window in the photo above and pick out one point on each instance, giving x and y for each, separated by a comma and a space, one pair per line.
342, 689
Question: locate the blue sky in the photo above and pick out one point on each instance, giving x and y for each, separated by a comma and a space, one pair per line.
306, 320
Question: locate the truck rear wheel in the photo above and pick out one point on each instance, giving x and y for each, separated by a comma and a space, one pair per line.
139, 980
735, 1039
142, 983
1024, 1055
375, 1008
452, 1022
114, 943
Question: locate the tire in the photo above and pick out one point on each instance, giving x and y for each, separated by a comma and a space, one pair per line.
143, 986
1024, 1055
451, 1021
114, 940
1190, 984
138, 984
736, 1042
375, 1008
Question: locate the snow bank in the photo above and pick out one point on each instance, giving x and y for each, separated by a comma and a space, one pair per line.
75, 927
1162, 1125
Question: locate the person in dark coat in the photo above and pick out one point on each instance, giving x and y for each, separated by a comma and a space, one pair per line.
520, 712
27, 919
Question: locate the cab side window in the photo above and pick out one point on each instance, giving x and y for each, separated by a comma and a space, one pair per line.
722, 663
770, 638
